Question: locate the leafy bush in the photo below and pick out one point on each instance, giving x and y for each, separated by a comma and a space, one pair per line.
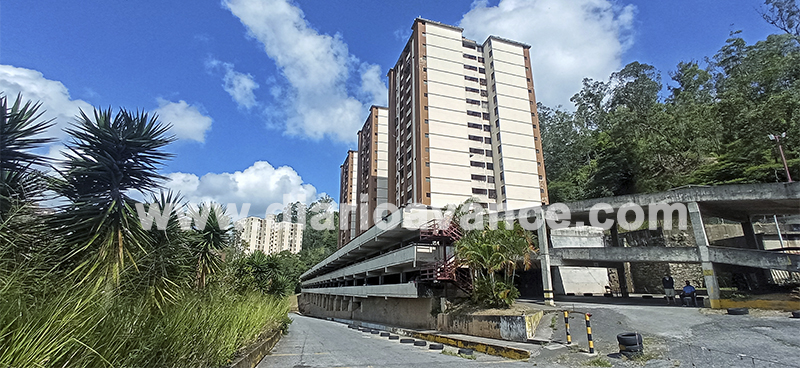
497, 294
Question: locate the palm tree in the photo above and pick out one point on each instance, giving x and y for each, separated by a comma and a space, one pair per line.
212, 236
108, 157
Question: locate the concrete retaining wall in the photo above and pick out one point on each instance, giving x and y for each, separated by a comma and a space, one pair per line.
512, 328
401, 312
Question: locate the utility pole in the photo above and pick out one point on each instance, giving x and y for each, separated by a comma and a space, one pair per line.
777, 139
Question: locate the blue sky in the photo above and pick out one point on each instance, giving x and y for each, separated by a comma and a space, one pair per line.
266, 96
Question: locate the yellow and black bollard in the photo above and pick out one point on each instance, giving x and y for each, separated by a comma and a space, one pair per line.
566, 327
589, 333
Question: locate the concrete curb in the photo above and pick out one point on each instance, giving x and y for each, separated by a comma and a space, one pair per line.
257, 352
482, 347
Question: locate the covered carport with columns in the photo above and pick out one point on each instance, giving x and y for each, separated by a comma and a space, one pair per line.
739, 203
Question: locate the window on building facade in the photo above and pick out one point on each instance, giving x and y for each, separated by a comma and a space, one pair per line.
470, 67
490, 179
477, 164
479, 191
471, 79
471, 57
473, 113
490, 166
492, 194
475, 138
473, 102
478, 177
474, 126
485, 116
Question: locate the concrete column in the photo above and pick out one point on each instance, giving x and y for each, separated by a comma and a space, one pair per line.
750, 235
544, 257
623, 281
701, 240
350, 305
615, 236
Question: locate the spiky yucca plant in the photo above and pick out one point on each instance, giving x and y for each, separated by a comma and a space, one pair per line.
108, 157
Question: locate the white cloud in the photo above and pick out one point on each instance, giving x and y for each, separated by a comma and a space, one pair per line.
186, 120
260, 185
54, 96
569, 40
240, 86
316, 67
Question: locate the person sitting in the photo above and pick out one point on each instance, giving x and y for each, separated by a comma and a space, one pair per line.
689, 295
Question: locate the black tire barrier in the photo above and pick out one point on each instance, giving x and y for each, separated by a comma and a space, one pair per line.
588, 294
570, 294
364, 329
351, 326
631, 348
420, 343
375, 332
385, 334
406, 341
436, 346
738, 311
796, 314
630, 339
608, 295
464, 351
647, 297
394, 337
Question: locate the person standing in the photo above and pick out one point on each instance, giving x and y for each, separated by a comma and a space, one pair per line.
669, 288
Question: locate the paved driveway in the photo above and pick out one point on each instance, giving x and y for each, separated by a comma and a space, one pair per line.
313, 342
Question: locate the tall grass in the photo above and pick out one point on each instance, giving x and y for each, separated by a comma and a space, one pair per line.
77, 327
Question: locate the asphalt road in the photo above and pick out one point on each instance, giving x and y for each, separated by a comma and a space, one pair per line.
313, 342
689, 337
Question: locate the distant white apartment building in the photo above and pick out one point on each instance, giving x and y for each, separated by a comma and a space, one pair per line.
463, 122
270, 236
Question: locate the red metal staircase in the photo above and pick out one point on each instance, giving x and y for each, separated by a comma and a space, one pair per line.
444, 233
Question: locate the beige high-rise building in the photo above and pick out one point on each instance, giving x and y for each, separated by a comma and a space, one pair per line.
463, 122
270, 236
373, 168
348, 189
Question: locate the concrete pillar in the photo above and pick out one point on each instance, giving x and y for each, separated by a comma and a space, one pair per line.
750, 235
623, 281
350, 304
615, 235
700, 238
544, 257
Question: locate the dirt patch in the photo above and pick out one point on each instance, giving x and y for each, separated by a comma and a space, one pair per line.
514, 310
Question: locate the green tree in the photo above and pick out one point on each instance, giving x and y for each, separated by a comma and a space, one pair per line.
211, 237
108, 157
783, 14
21, 185
165, 267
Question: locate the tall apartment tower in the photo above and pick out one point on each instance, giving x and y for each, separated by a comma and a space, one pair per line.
373, 166
348, 188
463, 122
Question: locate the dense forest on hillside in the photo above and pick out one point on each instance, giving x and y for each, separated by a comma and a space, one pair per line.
709, 125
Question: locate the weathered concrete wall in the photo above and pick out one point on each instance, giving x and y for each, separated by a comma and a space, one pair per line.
567, 279
512, 328
400, 312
